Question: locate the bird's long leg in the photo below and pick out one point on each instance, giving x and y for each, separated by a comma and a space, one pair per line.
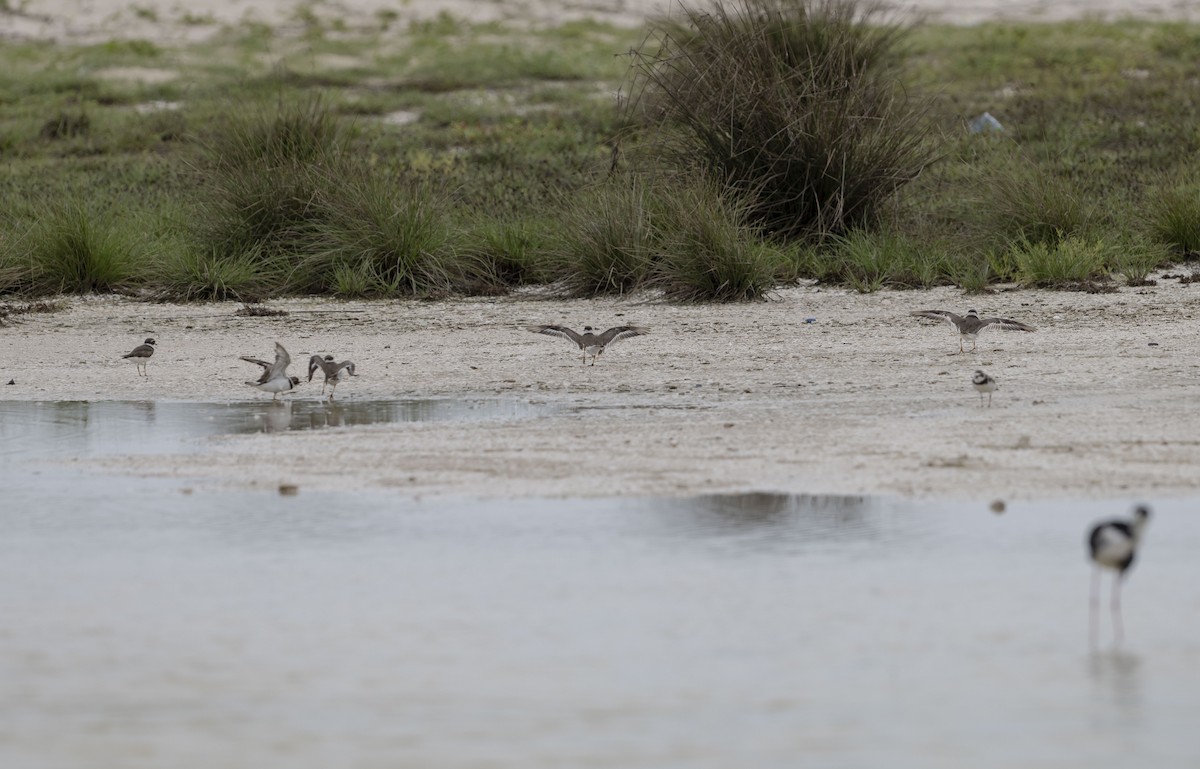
1118, 625
1094, 610
989, 400
332, 388
981, 399
323, 386
960, 346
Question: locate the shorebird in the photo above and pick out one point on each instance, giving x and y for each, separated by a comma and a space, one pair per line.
971, 324
274, 378
333, 371
984, 384
1113, 545
141, 354
591, 343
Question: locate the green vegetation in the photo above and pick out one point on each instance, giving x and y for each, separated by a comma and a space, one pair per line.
799, 104
754, 143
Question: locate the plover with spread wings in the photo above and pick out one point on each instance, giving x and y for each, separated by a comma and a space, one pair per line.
140, 355
274, 378
971, 324
589, 342
984, 384
333, 371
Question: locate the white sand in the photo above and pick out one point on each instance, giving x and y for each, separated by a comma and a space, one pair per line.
168, 21
716, 398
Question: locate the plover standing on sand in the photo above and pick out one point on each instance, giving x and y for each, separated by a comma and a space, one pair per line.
1113, 545
971, 324
333, 371
141, 355
274, 378
984, 384
591, 343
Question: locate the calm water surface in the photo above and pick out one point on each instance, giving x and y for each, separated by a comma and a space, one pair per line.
142, 627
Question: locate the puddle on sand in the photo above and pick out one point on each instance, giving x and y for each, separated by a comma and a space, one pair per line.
144, 628
84, 429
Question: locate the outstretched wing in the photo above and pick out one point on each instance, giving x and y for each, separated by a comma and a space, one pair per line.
559, 331
282, 360
266, 367
314, 363
952, 318
344, 365
1005, 323
617, 333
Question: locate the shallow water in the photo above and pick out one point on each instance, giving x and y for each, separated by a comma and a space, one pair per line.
143, 627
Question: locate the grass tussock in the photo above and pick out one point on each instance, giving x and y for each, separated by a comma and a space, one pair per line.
77, 250
606, 244
377, 237
707, 249
1173, 218
795, 103
1027, 204
1071, 263
208, 276
507, 253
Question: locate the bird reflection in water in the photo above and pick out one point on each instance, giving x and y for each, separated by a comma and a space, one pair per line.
331, 415
276, 417
785, 516
1117, 679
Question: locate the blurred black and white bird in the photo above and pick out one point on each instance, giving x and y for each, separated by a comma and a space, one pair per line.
970, 325
140, 355
984, 384
274, 378
332, 370
1113, 545
589, 342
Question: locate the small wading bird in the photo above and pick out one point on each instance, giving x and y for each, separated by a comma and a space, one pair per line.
971, 324
591, 343
274, 378
1113, 545
141, 355
333, 371
984, 384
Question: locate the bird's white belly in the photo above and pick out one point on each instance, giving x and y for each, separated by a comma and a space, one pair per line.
986, 387
592, 349
276, 385
1113, 552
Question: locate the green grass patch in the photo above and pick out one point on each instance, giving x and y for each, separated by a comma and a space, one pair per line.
521, 166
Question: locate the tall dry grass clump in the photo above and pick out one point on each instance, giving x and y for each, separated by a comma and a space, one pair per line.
796, 103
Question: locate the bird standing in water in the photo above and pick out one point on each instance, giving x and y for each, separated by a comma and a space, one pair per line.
1113, 545
333, 371
274, 377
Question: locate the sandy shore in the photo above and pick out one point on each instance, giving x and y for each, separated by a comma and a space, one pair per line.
866, 399
167, 21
